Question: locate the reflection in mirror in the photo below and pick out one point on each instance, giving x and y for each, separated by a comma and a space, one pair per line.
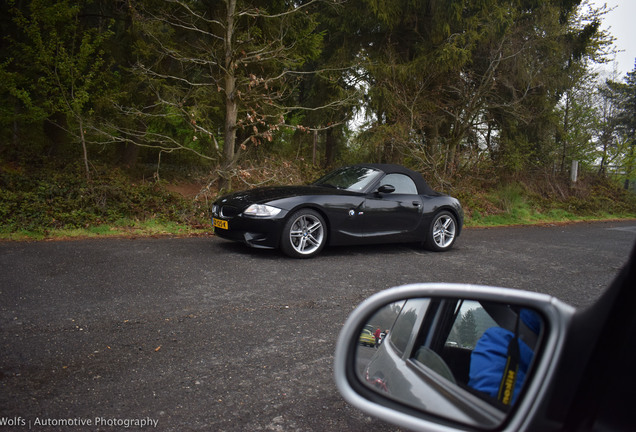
460, 359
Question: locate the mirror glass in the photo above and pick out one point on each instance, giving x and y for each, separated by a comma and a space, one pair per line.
460, 359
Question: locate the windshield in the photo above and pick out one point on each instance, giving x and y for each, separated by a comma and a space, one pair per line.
353, 179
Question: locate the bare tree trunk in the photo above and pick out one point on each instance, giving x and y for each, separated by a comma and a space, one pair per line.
330, 147
84, 149
314, 147
564, 136
629, 167
231, 105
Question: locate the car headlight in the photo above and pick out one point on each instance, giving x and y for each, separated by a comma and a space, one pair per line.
261, 210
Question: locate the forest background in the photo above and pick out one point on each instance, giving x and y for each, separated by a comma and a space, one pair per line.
122, 116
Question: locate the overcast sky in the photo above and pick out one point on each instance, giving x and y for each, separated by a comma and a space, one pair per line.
621, 23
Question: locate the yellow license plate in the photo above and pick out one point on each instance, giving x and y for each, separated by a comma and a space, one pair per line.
218, 223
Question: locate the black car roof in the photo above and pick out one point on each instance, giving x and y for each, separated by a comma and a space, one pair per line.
422, 187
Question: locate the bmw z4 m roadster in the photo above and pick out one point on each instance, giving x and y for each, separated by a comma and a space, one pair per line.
358, 204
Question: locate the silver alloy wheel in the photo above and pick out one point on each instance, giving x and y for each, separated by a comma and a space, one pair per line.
444, 231
306, 234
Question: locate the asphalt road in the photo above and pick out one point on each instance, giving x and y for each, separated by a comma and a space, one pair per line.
199, 334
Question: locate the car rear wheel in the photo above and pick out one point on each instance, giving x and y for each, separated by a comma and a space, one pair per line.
442, 232
304, 234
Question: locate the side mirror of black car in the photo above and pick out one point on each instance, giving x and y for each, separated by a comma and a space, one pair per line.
436, 356
387, 188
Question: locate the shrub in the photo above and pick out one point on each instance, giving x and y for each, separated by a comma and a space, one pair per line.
54, 198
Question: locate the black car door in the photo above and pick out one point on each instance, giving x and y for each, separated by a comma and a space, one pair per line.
393, 216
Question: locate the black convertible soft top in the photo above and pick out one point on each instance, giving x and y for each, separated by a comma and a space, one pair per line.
422, 187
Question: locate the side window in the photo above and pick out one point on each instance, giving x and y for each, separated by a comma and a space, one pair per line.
502, 341
451, 340
402, 183
403, 327
471, 323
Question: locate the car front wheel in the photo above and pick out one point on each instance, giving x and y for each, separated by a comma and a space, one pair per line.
304, 234
442, 232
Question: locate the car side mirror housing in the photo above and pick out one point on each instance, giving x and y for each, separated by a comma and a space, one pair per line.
387, 188
451, 355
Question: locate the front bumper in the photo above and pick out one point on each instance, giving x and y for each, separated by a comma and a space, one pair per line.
255, 232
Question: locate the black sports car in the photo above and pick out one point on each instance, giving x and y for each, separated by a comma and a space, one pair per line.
358, 204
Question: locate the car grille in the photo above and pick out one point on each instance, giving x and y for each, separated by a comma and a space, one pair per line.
228, 211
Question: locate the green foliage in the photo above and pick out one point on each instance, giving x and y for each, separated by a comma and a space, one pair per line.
459, 80
546, 199
49, 43
56, 198
57, 68
453, 89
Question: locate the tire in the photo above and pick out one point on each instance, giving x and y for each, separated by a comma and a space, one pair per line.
442, 232
304, 234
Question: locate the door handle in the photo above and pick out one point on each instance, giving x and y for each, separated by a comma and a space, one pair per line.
417, 203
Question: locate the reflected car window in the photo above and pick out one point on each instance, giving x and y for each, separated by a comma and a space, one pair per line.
403, 328
471, 323
491, 347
